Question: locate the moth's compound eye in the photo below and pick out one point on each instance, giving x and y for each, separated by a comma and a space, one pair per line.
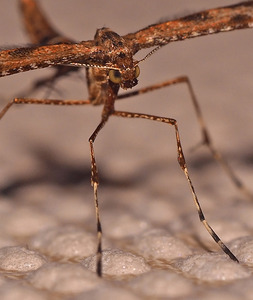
115, 76
137, 71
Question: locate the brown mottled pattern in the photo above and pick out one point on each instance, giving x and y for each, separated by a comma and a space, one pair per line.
86, 54
207, 22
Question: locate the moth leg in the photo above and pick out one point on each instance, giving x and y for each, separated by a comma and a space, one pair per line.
95, 183
182, 163
41, 101
206, 138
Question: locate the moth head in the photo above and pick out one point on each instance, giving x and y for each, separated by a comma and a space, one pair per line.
126, 78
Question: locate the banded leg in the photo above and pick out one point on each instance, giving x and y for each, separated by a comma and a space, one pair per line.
206, 138
94, 172
95, 183
42, 101
182, 163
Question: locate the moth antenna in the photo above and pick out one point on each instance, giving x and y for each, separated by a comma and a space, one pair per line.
148, 55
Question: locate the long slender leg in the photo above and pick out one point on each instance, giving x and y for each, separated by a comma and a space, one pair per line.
182, 163
206, 138
94, 172
94, 183
42, 101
